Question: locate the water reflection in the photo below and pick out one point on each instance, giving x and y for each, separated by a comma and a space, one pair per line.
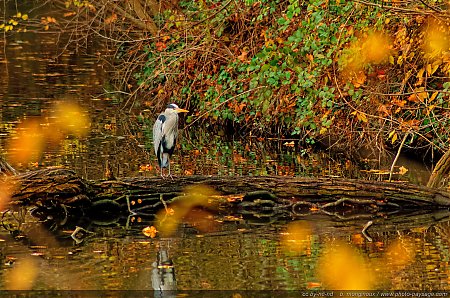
310, 254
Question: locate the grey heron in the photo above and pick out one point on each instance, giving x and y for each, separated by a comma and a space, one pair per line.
165, 133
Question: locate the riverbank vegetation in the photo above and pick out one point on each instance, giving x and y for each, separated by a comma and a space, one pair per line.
346, 74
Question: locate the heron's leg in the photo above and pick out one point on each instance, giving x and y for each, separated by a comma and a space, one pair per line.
170, 174
162, 175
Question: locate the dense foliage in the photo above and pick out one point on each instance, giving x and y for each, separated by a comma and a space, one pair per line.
350, 74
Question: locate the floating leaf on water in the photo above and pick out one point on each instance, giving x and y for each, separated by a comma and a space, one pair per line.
150, 231
402, 170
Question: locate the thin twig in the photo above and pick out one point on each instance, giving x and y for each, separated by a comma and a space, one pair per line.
396, 156
222, 103
368, 224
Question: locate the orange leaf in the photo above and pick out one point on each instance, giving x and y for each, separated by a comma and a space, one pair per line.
150, 231
160, 46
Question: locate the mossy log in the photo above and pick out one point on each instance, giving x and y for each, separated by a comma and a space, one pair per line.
65, 187
62, 200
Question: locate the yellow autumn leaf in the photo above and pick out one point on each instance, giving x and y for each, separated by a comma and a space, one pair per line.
391, 60
376, 47
394, 138
70, 118
391, 134
297, 237
169, 218
343, 268
23, 275
428, 68
429, 109
420, 73
402, 170
435, 66
435, 39
27, 142
360, 116
433, 96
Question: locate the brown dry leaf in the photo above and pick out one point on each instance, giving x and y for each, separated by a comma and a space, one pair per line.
69, 14
359, 79
243, 56
382, 108
111, 19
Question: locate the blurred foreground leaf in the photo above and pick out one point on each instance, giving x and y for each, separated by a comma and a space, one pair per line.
23, 275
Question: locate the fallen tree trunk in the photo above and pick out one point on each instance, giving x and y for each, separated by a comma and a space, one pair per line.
67, 188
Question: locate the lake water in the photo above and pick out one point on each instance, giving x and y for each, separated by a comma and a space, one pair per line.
312, 252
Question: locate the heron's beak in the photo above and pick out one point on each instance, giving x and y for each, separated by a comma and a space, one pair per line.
181, 110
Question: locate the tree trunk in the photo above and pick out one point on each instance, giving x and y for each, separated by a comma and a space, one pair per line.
67, 188
440, 171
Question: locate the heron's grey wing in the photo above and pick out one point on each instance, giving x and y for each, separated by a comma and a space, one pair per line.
158, 132
169, 133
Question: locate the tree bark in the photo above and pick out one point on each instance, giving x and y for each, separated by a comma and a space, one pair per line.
66, 187
441, 170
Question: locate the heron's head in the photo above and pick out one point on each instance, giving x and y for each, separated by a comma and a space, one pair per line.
175, 109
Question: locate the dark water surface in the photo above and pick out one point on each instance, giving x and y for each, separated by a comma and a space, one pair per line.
241, 253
